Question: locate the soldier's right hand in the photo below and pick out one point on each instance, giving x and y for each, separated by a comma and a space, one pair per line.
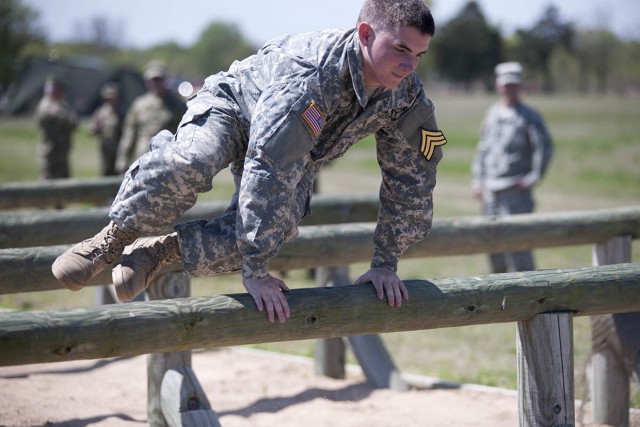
267, 292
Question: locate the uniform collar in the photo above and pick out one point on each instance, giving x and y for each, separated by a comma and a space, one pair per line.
354, 55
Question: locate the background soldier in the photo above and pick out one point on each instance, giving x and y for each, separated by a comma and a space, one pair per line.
513, 154
106, 123
157, 109
56, 121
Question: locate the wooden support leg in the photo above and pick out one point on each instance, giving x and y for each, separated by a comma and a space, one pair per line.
330, 353
171, 285
609, 385
545, 370
608, 379
370, 351
184, 402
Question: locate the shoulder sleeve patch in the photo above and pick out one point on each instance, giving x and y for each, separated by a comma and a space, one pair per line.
430, 140
314, 118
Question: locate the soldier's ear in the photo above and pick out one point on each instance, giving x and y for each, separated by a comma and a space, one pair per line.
366, 34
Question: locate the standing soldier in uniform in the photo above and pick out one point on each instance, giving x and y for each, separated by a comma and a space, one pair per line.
106, 123
157, 109
512, 156
277, 118
56, 121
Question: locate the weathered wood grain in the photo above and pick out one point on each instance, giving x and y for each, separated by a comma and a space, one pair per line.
19, 229
29, 269
226, 320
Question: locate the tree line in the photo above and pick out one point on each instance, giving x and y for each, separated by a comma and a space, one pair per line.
557, 56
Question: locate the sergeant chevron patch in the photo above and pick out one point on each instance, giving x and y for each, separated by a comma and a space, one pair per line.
430, 140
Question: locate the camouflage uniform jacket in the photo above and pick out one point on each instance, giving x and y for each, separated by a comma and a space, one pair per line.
304, 103
514, 146
57, 121
148, 115
106, 123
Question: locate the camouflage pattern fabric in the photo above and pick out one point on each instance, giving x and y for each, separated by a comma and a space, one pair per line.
514, 145
148, 115
277, 118
107, 125
57, 122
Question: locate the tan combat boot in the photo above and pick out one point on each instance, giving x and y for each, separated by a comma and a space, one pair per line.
141, 262
86, 259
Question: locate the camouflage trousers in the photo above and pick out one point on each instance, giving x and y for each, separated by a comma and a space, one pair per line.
165, 182
54, 160
509, 202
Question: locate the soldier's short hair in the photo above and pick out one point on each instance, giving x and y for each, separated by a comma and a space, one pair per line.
389, 15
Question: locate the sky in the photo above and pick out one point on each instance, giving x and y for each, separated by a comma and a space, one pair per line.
144, 23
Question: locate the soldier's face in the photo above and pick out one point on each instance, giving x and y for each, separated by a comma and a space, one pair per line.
389, 57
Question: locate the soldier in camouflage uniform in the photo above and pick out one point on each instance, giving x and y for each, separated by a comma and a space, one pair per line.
57, 121
277, 118
157, 109
106, 123
513, 153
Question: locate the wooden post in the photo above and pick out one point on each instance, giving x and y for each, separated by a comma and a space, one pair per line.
330, 353
545, 370
184, 402
608, 379
165, 286
373, 357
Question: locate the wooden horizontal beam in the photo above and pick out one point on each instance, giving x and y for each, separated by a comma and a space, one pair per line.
53, 192
28, 270
22, 229
227, 320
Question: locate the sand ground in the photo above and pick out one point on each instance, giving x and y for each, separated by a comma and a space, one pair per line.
245, 388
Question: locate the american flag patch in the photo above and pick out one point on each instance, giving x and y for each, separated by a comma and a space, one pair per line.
314, 119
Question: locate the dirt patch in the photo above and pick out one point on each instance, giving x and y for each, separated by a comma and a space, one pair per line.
245, 388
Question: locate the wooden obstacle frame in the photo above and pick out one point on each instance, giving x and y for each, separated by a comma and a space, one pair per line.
542, 303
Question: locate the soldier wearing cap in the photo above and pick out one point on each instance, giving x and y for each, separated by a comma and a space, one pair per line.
512, 156
157, 109
277, 117
57, 121
106, 123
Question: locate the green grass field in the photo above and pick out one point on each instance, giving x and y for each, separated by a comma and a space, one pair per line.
597, 152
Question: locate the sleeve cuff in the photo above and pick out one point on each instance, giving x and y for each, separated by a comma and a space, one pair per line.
255, 268
385, 261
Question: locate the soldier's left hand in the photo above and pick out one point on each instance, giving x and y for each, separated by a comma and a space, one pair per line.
386, 283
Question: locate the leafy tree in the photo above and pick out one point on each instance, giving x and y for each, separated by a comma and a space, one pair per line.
595, 50
18, 27
219, 45
535, 46
467, 48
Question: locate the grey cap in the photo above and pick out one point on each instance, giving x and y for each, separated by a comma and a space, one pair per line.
508, 73
109, 90
155, 70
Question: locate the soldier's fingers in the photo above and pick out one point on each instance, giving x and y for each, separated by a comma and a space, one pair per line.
379, 287
403, 290
258, 300
270, 311
392, 297
285, 307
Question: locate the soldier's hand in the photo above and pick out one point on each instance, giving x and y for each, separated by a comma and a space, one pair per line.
267, 294
386, 283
